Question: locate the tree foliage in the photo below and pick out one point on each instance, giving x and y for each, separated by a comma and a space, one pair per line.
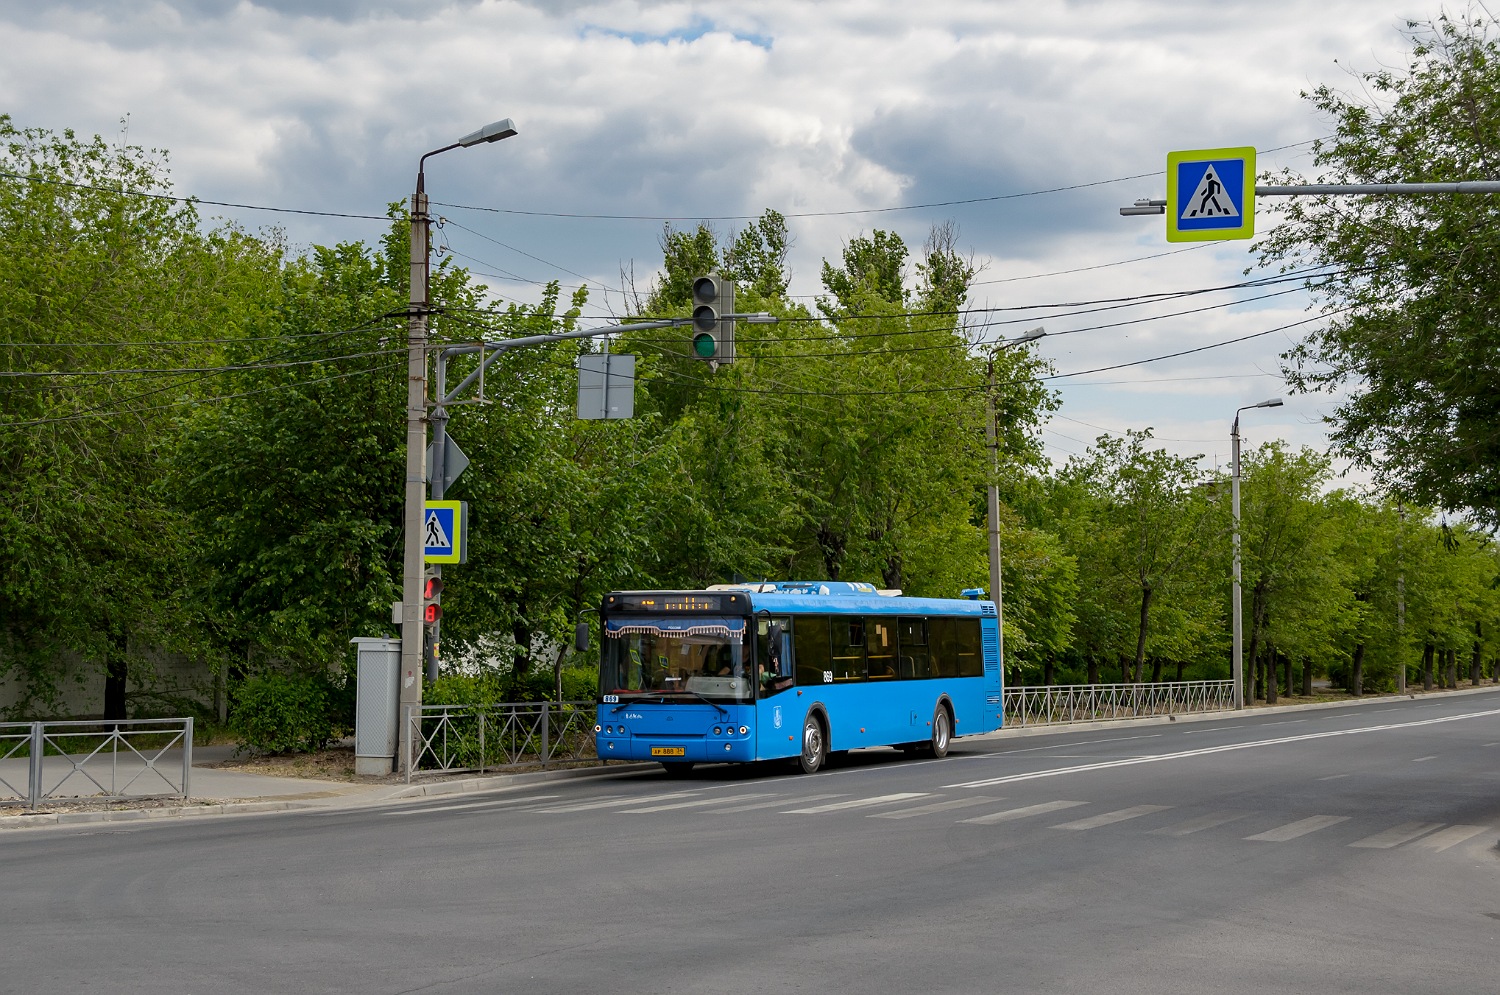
1409, 284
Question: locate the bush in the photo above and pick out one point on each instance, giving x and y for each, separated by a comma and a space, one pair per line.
281, 713
491, 687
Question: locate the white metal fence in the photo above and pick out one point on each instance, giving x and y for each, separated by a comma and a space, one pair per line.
450, 739
1064, 703
128, 758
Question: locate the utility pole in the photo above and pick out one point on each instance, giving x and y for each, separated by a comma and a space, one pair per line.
416, 475
416, 440
1237, 662
1401, 596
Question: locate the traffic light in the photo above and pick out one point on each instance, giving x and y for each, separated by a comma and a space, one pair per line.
431, 592
713, 334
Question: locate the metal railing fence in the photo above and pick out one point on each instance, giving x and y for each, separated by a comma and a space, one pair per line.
449, 739
1063, 703
95, 760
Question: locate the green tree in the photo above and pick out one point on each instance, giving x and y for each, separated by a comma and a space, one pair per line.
117, 306
1155, 524
1408, 284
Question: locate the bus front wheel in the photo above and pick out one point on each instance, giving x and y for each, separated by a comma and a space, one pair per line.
814, 746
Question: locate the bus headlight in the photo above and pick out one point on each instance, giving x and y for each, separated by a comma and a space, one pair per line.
718, 730
744, 730
598, 728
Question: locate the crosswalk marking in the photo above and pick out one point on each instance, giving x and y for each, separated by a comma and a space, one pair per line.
950, 804
494, 804
857, 803
1023, 812
1199, 824
1451, 836
1301, 827
613, 803
1094, 822
775, 802
693, 804
1396, 835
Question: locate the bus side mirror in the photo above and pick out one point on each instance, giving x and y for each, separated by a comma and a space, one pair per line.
581, 636
773, 634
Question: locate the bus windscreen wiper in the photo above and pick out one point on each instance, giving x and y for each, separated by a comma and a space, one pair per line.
661, 699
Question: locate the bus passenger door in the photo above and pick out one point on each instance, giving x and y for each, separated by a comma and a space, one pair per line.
780, 706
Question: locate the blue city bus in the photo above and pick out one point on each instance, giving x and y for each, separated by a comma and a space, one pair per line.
784, 670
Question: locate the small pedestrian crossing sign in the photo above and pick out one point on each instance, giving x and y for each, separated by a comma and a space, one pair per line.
1210, 194
445, 532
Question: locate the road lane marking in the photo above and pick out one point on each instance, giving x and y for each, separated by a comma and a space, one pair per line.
1095, 821
899, 796
1396, 835
1205, 751
614, 803
952, 803
777, 801
1332, 777
1087, 742
1199, 824
1193, 732
696, 803
1026, 811
494, 804
1438, 842
1424, 759
1301, 827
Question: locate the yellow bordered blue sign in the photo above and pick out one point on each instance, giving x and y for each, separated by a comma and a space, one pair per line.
445, 532
1210, 194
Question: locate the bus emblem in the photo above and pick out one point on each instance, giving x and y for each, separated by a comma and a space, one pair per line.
776, 716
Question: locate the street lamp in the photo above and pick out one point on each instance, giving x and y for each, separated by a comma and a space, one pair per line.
991, 435
1238, 669
416, 433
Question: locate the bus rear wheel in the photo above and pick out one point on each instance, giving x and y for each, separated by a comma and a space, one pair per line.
942, 733
814, 746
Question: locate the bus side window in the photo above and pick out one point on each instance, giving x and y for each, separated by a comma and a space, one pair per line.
915, 659
943, 646
810, 649
881, 650
848, 649
970, 647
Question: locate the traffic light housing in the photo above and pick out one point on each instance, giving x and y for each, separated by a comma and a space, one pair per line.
432, 590
713, 334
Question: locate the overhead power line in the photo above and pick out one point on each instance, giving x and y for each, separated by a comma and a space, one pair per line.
145, 194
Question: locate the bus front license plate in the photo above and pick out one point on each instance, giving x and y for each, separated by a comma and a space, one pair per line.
668, 751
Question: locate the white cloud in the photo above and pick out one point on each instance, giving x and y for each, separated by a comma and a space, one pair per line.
697, 109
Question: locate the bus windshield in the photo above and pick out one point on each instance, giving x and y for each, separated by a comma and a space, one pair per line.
694, 658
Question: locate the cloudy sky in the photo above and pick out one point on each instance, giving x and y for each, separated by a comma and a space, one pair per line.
846, 116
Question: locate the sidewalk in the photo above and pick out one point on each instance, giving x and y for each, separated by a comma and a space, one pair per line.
225, 791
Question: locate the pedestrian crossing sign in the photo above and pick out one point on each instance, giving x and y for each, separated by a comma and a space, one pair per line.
1210, 194
445, 532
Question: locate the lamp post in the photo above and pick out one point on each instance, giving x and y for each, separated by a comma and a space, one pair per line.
416, 435
991, 435
1238, 669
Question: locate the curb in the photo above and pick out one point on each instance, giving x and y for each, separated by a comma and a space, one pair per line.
1020, 732
140, 814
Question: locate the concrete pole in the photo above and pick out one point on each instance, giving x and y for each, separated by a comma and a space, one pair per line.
1401, 596
1237, 668
416, 475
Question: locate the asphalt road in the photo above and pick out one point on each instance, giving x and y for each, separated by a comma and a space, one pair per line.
1342, 850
